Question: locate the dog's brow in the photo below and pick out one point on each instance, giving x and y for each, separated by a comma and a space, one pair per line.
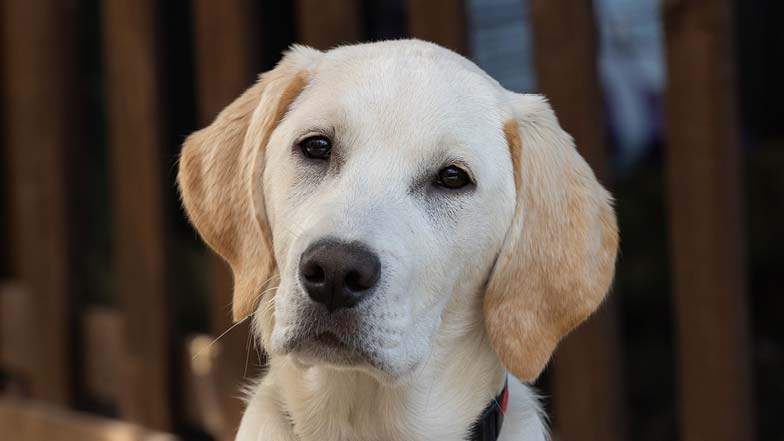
328, 131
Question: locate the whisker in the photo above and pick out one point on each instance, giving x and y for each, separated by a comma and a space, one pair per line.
247, 353
267, 307
215, 340
261, 294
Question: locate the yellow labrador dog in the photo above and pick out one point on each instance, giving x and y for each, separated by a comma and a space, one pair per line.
404, 233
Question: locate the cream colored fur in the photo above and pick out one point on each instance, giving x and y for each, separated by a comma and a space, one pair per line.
475, 283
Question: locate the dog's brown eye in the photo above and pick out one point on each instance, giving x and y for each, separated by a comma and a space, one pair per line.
453, 177
316, 147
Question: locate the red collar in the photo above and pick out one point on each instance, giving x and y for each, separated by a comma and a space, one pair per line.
488, 425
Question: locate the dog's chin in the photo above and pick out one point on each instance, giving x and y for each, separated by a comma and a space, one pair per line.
329, 351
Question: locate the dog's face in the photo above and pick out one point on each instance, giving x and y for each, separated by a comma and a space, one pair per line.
356, 193
392, 170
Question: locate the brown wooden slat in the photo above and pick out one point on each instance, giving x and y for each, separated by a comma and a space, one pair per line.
32, 421
39, 87
706, 226
234, 360
203, 368
204, 393
133, 90
440, 21
570, 80
203, 373
227, 53
586, 373
7, 260
17, 318
6, 252
102, 341
324, 24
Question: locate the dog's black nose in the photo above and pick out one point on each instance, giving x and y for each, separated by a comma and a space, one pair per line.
338, 274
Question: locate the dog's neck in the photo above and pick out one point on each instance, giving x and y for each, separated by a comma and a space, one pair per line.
440, 400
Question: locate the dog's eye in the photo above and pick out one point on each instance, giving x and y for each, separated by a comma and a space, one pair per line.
316, 147
453, 177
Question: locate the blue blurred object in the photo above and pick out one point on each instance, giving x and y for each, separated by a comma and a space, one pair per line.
631, 65
500, 40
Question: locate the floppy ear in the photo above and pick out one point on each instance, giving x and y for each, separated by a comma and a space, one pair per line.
558, 258
219, 176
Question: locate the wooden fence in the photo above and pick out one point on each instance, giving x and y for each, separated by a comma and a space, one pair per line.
54, 347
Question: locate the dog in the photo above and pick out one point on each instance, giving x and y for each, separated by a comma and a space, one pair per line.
410, 239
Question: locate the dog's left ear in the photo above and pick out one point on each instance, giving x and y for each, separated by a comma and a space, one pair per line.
558, 258
220, 176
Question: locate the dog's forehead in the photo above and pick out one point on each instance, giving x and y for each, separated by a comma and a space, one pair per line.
410, 93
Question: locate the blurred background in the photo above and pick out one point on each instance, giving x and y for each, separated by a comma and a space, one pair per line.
110, 306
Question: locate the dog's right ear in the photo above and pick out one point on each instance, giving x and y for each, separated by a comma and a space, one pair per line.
219, 172
558, 259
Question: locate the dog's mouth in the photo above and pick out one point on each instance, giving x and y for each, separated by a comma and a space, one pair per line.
327, 343
330, 349
330, 340
339, 340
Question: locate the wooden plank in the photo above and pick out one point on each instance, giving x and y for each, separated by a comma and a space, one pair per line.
706, 226
440, 21
202, 371
40, 90
7, 260
204, 390
17, 354
227, 53
586, 372
324, 24
32, 421
102, 341
571, 80
133, 90
234, 359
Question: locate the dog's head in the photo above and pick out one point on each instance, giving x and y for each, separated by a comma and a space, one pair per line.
357, 193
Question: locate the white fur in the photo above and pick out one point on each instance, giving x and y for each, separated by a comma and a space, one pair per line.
398, 111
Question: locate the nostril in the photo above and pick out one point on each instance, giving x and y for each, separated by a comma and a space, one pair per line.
313, 273
354, 281
364, 274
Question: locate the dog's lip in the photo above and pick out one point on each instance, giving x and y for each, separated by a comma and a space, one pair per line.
329, 346
323, 339
331, 340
